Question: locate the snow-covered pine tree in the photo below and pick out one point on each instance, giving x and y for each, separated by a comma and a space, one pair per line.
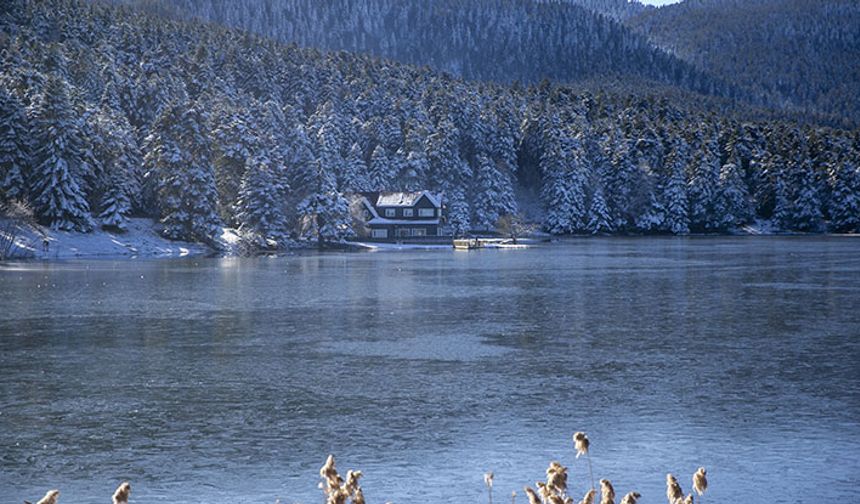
234, 141
599, 219
457, 212
493, 196
733, 205
15, 147
179, 161
324, 214
381, 173
117, 150
675, 190
58, 167
704, 187
781, 215
260, 206
844, 207
555, 190
355, 176
806, 207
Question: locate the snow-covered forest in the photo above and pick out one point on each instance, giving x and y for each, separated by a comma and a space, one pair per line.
107, 113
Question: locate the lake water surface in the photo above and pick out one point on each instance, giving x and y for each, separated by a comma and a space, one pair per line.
230, 380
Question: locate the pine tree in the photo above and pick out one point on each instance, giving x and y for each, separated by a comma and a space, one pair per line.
259, 209
457, 212
806, 208
324, 214
703, 188
844, 205
355, 176
179, 162
381, 173
733, 206
58, 168
493, 194
15, 148
599, 220
675, 190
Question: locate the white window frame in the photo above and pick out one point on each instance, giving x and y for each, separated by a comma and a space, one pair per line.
426, 212
408, 212
391, 212
379, 233
419, 232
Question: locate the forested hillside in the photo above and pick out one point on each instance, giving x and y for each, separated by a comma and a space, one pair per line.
494, 40
787, 53
106, 113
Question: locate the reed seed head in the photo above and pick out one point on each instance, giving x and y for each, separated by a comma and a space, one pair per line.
631, 498
488, 479
533, 497
358, 497
50, 497
700, 481
589, 497
607, 493
673, 489
581, 443
122, 493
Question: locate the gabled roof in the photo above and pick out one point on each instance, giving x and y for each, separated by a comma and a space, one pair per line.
406, 199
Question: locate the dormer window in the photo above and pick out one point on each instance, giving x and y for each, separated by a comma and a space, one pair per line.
390, 212
426, 212
407, 212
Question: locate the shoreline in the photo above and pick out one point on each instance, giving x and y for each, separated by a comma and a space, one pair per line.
141, 241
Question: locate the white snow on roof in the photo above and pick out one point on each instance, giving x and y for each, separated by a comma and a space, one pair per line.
402, 222
405, 199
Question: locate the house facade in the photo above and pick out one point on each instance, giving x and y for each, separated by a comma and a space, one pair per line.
402, 215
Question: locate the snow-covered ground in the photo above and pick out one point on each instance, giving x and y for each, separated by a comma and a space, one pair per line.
140, 240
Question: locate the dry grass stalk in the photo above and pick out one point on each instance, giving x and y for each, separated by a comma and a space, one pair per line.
581, 444
588, 498
122, 493
50, 497
700, 481
335, 489
607, 493
688, 500
533, 497
556, 478
488, 480
631, 498
673, 489
513, 497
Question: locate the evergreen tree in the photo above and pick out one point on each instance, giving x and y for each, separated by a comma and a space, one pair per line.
493, 194
845, 199
355, 177
178, 161
58, 169
703, 189
381, 172
324, 213
15, 148
733, 206
259, 209
675, 190
806, 208
599, 220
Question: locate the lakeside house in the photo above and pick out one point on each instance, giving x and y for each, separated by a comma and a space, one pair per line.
399, 215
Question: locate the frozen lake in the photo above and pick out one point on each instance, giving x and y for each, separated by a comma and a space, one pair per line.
230, 380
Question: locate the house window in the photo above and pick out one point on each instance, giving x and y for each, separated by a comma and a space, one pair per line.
403, 232
390, 212
379, 233
407, 212
419, 232
426, 212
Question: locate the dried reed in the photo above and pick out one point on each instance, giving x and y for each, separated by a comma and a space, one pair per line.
700, 482
673, 489
122, 493
488, 480
50, 497
607, 493
631, 498
581, 444
588, 498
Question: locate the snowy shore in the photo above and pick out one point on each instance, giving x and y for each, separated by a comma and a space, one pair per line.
141, 240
